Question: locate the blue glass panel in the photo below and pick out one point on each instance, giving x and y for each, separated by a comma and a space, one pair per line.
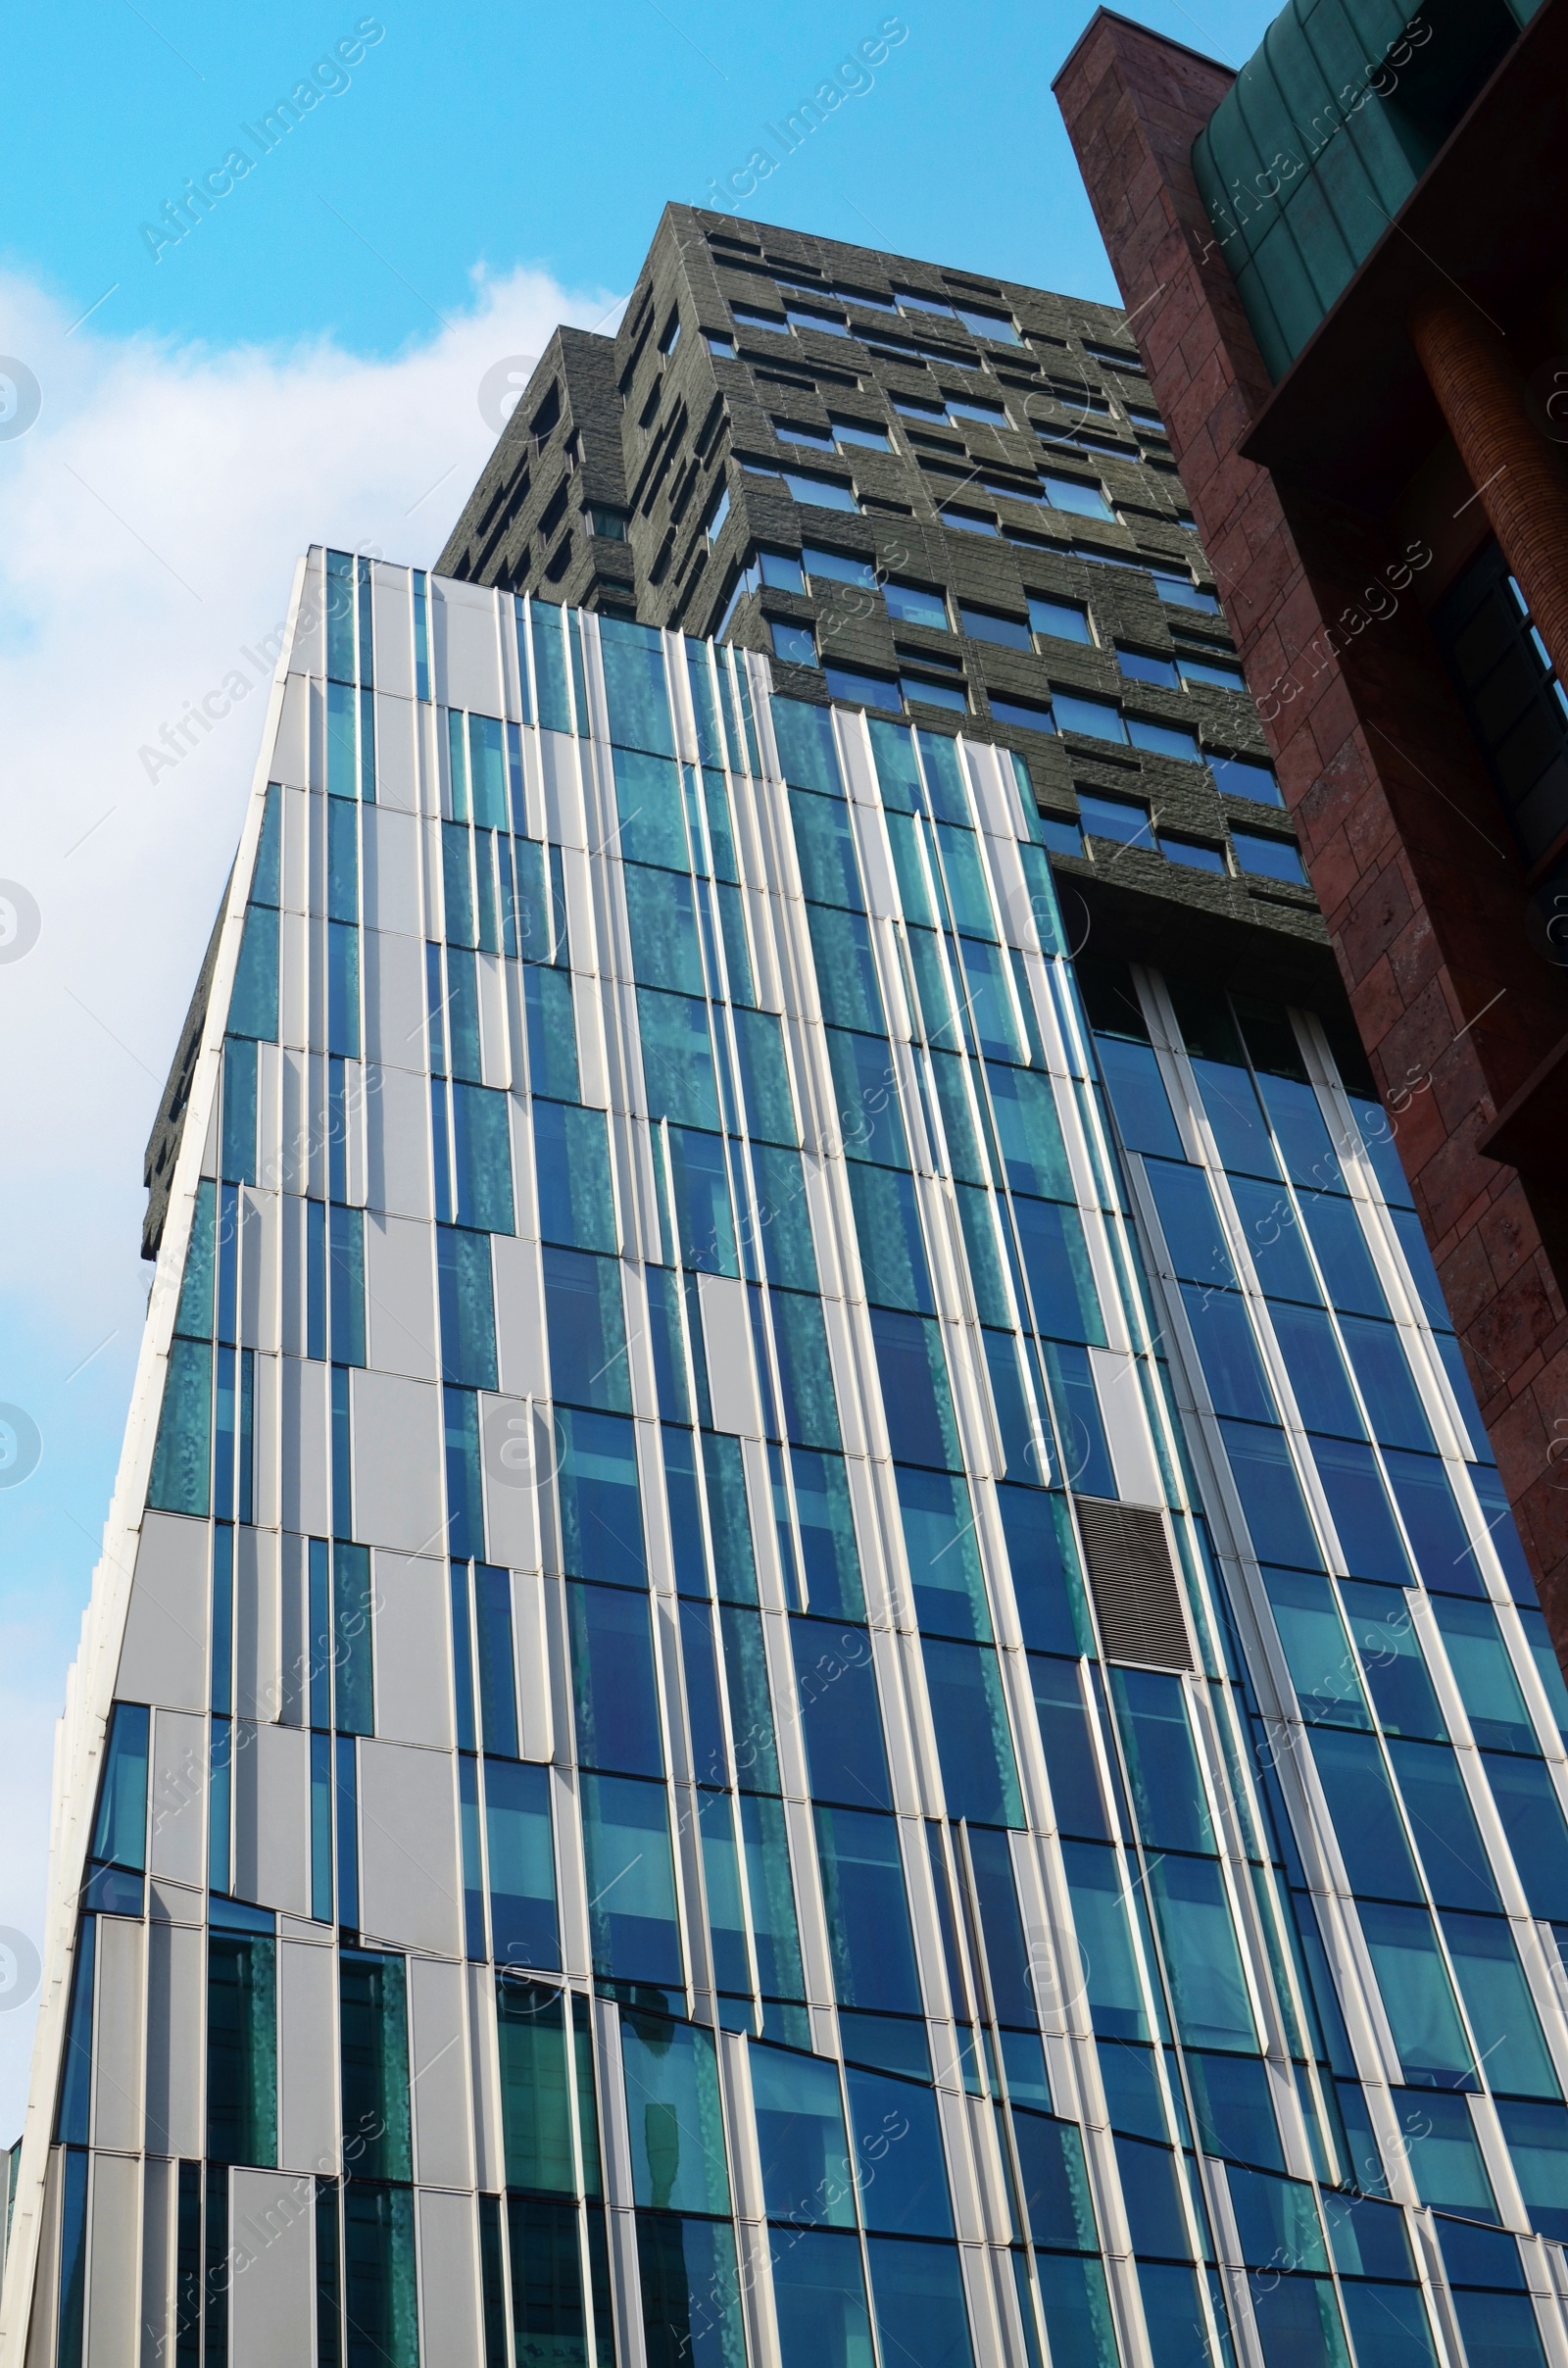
846, 972
1335, 1235
649, 802
1234, 1116
828, 1546
784, 1219
636, 698
1275, 1241
1377, 1857
1071, 1762
1271, 1495
601, 1507
1537, 2140
700, 1189
1358, 1502
840, 1716
887, 1225
522, 1872
467, 1308
866, 1083
631, 1885
481, 1137
571, 1166
917, 2300
677, 1057
1061, 1284
824, 848
806, 1379
1138, 1097
867, 1911
666, 949
939, 1538
1105, 1968
614, 1688
1387, 1384
587, 1329
1228, 1353
253, 1004
1167, 1788
1209, 1989
805, 736
1445, 1827
1416, 1997
677, 2127
915, 1393
973, 1745
1044, 1571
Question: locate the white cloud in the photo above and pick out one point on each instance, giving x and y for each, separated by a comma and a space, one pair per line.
149, 525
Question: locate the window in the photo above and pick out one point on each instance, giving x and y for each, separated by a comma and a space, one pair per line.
672, 337
793, 432
1117, 356
862, 431
972, 521
1179, 590
1060, 833
827, 493
1097, 718
717, 515
990, 624
976, 407
1273, 858
793, 642
812, 317
917, 605
1026, 711
1246, 778
997, 327
1077, 495
1059, 619
1143, 667
862, 689
718, 343
1113, 817
1144, 417
909, 300
751, 317
1162, 739
935, 694
1199, 666
916, 407
1192, 852
839, 567
609, 524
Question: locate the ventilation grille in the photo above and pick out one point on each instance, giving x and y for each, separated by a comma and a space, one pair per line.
1137, 1594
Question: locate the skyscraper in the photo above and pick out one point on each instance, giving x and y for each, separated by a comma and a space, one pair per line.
806, 1652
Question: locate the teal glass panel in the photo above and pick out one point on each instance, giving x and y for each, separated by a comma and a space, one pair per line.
827, 1535
663, 917
467, 1308
764, 1077
487, 774
944, 1555
180, 1480
1167, 1788
1417, 1997
571, 1169
241, 2048
887, 1225
649, 802
586, 1324
352, 1647
1499, 2004
1209, 1988
1484, 1674
373, 2055
677, 1057
784, 1222
974, 1747
631, 1881
824, 848
776, 1933
380, 2278
865, 1084
614, 1685
1029, 1132
552, 1031
547, 627
804, 737
522, 1858
535, 2096
481, 1133
238, 1147
252, 1004
846, 972
806, 1378
636, 696
1061, 1283
1105, 1968
1317, 1654
691, 2293
704, 1217
674, 2115
806, 2175
1046, 1581
916, 1396
867, 1911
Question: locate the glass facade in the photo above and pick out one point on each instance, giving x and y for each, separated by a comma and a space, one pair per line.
858, 1690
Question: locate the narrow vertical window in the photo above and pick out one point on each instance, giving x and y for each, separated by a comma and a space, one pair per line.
342, 1456
219, 1803
421, 635
346, 1776
315, 1279
321, 1633
472, 1856
238, 1156
322, 1829
223, 1686
346, 1250
241, 2036
352, 1639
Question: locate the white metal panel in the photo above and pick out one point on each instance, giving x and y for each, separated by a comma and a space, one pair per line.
178, 1783
177, 1999
392, 613
398, 1145
1121, 1408
727, 1340
462, 619
273, 1817
525, 1372
291, 750
116, 2056
305, 1428
399, 1296
413, 1638
443, 2142
449, 2281
397, 1461
113, 2248
409, 1878
516, 1448
394, 1000
307, 2058
164, 1657
271, 2293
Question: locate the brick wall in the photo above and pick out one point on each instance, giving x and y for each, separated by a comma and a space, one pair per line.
1407, 848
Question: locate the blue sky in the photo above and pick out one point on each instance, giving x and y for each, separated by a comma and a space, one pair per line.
548, 137
305, 365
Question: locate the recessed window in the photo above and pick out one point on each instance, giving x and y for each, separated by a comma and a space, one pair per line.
1162, 739
1117, 356
937, 694
1273, 858
990, 624
878, 304
672, 337
1179, 590
998, 326
1061, 834
1027, 712
839, 567
780, 571
812, 317
947, 659
827, 493
973, 521
1099, 719
1076, 495
1144, 417
1114, 819
1059, 619
717, 515
974, 407
1195, 853
862, 431
910, 300
1219, 672
916, 407
1143, 666
718, 343
794, 431
1091, 441
792, 641
917, 605
751, 317
1246, 778
609, 524
862, 689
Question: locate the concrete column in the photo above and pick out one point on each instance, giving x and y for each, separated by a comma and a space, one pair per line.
1517, 476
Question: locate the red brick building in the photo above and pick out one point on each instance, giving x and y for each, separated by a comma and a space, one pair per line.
1344, 271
